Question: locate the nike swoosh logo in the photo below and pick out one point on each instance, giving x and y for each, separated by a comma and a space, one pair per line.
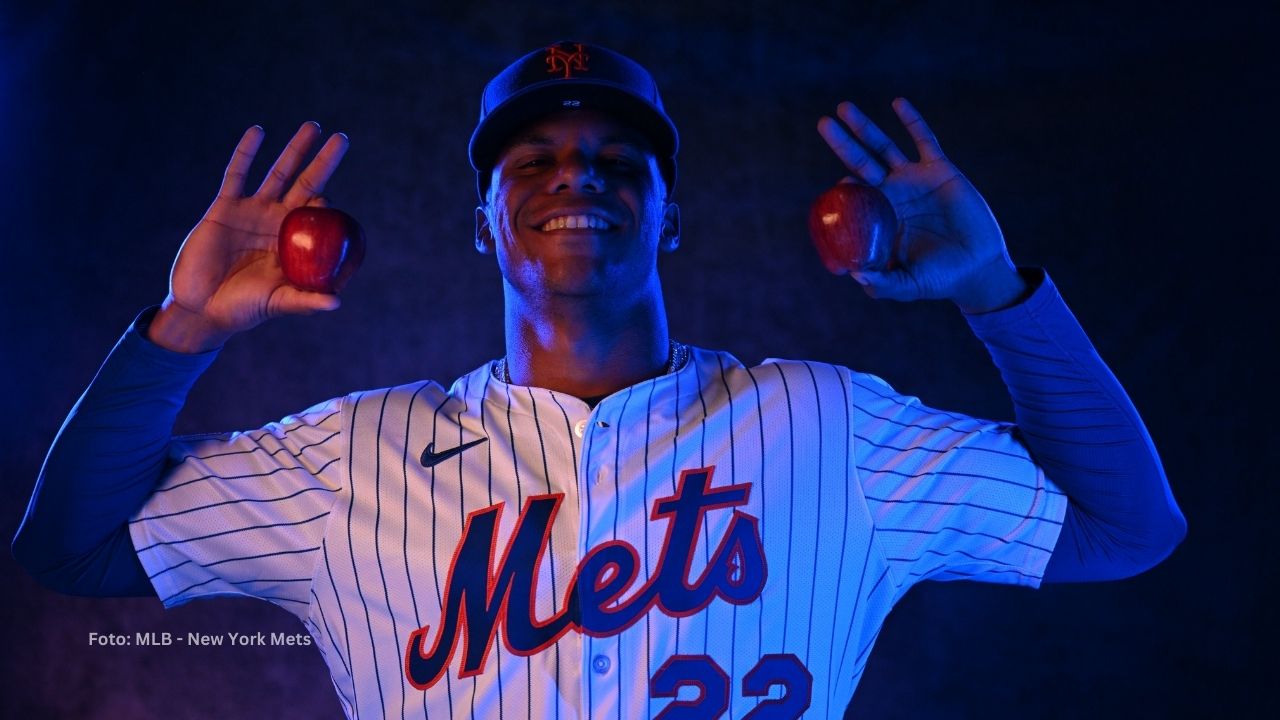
431, 458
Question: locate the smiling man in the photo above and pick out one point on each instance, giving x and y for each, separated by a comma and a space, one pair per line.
576, 211
604, 522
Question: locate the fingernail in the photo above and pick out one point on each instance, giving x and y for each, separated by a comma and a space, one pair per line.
861, 278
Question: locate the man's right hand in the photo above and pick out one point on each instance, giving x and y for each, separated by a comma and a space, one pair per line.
227, 276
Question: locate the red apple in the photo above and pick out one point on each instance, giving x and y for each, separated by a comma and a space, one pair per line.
320, 248
853, 227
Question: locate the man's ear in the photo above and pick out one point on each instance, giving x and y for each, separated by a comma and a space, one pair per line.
669, 236
484, 232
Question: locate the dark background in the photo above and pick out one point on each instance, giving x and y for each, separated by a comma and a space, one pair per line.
1127, 147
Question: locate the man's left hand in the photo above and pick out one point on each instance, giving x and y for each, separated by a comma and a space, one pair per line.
949, 244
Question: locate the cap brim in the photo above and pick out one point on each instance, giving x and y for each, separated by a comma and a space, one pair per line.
538, 101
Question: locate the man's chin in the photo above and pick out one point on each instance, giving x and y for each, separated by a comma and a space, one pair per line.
566, 282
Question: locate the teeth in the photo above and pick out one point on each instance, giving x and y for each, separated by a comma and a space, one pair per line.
574, 222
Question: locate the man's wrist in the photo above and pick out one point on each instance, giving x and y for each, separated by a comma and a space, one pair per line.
996, 286
179, 330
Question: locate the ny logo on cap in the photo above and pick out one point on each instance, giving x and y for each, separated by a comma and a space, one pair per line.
560, 60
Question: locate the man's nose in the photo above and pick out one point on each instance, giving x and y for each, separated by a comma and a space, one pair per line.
580, 173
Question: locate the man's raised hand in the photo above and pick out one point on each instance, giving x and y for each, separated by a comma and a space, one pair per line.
227, 276
950, 246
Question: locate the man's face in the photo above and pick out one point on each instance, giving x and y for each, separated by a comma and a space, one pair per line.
576, 206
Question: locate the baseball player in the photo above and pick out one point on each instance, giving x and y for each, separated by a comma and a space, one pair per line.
605, 522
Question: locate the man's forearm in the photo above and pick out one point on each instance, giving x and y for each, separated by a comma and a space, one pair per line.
104, 463
1082, 429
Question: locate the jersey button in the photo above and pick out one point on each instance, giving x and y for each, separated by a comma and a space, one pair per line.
580, 428
600, 664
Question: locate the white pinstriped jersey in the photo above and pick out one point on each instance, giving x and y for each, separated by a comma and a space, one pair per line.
722, 537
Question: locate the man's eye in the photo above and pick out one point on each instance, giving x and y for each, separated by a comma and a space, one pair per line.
532, 162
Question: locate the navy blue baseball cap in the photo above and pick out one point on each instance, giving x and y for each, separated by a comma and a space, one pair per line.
566, 75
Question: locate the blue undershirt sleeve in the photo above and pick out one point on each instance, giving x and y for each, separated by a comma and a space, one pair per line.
1081, 428
102, 466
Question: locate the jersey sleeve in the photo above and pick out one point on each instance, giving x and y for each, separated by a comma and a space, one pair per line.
951, 497
244, 513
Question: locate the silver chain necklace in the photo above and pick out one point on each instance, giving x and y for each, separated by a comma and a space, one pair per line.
678, 355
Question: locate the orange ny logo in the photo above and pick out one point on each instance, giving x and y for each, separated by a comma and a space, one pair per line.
560, 60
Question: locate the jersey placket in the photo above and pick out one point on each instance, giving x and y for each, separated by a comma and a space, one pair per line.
598, 507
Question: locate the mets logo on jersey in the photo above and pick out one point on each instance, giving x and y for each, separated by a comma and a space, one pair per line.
481, 600
560, 60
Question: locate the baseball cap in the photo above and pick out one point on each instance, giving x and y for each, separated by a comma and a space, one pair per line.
569, 74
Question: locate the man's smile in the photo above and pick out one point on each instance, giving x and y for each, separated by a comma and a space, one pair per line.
576, 222
574, 217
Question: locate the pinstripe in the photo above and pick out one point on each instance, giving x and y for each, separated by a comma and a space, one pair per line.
332, 642
189, 561
568, 427
272, 580
577, 471
942, 451
675, 458
377, 540
858, 597
648, 617
817, 525
346, 632
351, 551
551, 552
185, 439
240, 582
880, 392
404, 543
617, 498
484, 430
377, 545
947, 426
764, 524
233, 559
230, 532
573, 450
862, 654
846, 479
175, 486
791, 503
952, 473
270, 453
876, 585
960, 573
702, 462
515, 467
435, 566
936, 531
462, 504
957, 551
233, 502
922, 501
282, 599
733, 473
584, 535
